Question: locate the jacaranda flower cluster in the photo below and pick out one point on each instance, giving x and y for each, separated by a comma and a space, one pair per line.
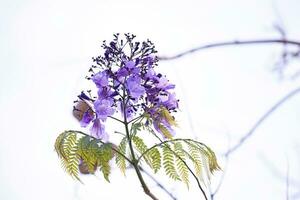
130, 91
127, 83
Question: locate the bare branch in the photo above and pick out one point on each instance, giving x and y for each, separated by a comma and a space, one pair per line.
224, 170
158, 183
261, 120
232, 43
287, 178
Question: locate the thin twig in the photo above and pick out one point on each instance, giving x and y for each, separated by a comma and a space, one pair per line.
231, 43
158, 183
116, 119
287, 178
262, 119
224, 170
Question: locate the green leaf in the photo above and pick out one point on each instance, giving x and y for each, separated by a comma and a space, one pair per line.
87, 151
168, 162
66, 147
195, 156
180, 162
155, 159
105, 154
120, 160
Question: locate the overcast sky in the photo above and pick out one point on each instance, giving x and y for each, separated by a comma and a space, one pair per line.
45, 52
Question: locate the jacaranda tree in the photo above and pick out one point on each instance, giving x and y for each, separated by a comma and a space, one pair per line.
131, 92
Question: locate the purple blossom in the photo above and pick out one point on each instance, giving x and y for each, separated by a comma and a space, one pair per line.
170, 101
164, 84
86, 118
129, 77
100, 79
130, 64
103, 109
134, 87
105, 93
98, 130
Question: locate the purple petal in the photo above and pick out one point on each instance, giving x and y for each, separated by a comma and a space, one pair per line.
86, 118
98, 130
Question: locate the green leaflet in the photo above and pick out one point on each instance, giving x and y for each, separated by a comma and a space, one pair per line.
195, 156
169, 162
139, 144
120, 160
152, 157
88, 151
181, 165
71, 149
141, 147
155, 158
206, 154
105, 154
66, 148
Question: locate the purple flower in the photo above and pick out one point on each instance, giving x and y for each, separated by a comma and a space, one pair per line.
134, 87
164, 84
86, 118
170, 101
150, 74
100, 79
130, 110
103, 109
122, 73
105, 93
98, 130
129, 76
130, 64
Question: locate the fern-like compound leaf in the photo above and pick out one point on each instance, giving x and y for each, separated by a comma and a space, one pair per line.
105, 154
66, 147
169, 162
120, 160
180, 163
155, 159
195, 156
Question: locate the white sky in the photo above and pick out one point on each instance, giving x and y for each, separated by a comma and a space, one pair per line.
45, 52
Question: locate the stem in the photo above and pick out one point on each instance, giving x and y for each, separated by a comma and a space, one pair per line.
134, 160
158, 183
261, 120
231, 43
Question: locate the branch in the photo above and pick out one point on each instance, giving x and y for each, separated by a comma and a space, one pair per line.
213, 194
261, 120
158, 183
287, 179
231, 43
